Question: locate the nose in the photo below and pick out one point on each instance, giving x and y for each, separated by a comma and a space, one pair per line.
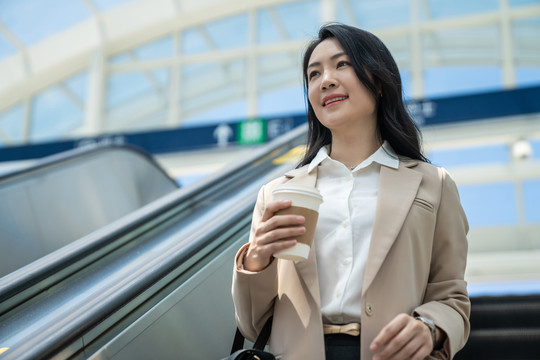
328, 81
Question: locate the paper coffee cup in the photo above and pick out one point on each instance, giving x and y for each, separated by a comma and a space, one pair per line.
305, 201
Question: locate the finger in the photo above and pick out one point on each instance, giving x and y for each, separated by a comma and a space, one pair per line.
279, 221
399, 347
388, 332
421, 353
272, 207
281, 234
407, 342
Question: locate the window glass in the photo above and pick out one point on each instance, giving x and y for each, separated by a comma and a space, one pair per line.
32, 21
213, 85
526, 44
125, 86
531, 199
222, 34
11, 125
193, 42
528, 75
278, 69
104, 5
159, 49
471, 156
137, 100
489, 204
523, 2
54, 115
267, 29
6, 48
368, 14
231, 111
451, 80
77, 85
287, 100
228, 33
443, 8
289, 21
535, 144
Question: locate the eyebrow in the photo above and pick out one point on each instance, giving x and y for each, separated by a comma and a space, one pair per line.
333, 57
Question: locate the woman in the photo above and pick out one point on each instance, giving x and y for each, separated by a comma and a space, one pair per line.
384, 278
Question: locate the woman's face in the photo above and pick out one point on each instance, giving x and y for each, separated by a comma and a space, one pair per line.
339, 99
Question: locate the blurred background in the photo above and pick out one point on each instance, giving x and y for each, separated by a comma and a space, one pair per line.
99, 70
202, 84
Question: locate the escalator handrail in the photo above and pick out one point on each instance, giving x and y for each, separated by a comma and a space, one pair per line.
68, 157
24, 283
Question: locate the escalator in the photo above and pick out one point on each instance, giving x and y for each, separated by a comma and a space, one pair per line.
61, 198
153, 284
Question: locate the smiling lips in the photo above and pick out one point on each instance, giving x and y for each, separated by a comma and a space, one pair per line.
332, 99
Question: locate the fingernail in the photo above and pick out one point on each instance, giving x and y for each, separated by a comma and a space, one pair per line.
300, 219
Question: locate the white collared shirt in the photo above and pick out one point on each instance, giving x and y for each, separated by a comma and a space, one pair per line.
344, 229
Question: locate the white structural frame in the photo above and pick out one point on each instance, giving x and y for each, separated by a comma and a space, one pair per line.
38, 67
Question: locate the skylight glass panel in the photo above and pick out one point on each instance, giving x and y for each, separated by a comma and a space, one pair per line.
11, 125
104, 5
443, 8
32, 21
77, 84
367, 14
279, 69
523, 2
267, 31
228, 33
299, 19
159, 49
193, 42
54, 114
6, 48
126, 86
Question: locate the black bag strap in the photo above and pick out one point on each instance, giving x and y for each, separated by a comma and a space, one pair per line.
260, 343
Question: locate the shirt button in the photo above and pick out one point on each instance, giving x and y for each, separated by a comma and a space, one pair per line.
369, 309
346, 261
338, 295
345, 223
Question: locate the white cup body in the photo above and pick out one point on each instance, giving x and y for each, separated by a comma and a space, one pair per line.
303, 197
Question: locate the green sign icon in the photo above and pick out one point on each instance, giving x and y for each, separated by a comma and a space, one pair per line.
251, 131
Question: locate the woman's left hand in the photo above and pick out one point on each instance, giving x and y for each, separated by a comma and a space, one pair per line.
403, 338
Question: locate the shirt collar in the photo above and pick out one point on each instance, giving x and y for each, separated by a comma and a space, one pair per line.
384, 155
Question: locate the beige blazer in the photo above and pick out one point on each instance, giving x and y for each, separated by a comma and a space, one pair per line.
416, 265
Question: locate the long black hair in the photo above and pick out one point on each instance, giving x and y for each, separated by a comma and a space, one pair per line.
368, 55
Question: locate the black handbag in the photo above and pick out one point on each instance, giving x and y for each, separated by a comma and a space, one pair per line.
257, 353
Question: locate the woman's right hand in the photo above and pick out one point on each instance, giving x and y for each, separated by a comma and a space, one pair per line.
273, 233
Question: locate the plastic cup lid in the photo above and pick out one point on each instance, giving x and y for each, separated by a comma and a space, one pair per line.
297, 188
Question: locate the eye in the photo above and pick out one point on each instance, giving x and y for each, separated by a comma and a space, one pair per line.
312, 74
342, 63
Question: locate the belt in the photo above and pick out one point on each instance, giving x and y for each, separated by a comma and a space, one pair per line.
352, 329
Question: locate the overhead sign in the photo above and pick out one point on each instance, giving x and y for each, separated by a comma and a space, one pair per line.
254, 131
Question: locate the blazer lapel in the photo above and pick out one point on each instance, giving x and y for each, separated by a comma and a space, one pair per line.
307, 269
397, 190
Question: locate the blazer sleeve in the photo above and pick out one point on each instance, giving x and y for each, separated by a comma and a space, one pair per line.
446, 301
253, 292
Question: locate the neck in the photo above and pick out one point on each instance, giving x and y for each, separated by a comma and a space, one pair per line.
352, 149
